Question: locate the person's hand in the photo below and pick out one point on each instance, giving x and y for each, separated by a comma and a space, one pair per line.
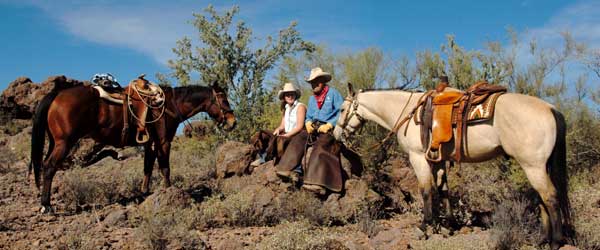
286, 135
309, 127
325, 128
277, 131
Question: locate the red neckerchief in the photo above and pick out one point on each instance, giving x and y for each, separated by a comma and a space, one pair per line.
321, 96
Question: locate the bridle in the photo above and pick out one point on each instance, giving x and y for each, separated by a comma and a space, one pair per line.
401, 120
214, 100
353, 111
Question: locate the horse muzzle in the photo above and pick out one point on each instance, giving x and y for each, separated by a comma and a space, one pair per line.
229, 122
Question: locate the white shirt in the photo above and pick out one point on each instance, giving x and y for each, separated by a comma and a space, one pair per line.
290, 116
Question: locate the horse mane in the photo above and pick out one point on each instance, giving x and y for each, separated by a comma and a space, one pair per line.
190, 89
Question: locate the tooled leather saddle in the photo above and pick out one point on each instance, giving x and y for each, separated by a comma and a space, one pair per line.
137, 98
445, 113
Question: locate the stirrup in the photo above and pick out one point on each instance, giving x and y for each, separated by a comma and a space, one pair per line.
144, 137
429, 153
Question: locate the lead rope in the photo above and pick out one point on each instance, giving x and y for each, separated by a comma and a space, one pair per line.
161, 106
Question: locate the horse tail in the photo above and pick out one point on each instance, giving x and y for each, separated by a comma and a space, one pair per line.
38, 134
557, 164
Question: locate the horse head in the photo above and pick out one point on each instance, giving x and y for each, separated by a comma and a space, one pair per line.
219, 108
350, 119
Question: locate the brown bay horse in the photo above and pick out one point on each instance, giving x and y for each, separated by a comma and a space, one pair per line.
67, 114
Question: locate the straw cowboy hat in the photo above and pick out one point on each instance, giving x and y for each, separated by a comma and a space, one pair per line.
318, 72
289, 87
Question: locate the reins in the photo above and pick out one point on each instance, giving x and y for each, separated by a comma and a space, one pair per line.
399, 122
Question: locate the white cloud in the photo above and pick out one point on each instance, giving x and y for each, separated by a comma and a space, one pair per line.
150, 31
581, 20
153, 28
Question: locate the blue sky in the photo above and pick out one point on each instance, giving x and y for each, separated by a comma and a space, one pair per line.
78, 38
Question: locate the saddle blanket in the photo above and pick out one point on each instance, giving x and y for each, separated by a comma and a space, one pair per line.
483, 111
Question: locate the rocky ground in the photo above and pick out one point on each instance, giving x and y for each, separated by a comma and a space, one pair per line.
121, 224
218, 201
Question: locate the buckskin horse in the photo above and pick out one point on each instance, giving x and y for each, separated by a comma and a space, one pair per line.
67, 114
523, 127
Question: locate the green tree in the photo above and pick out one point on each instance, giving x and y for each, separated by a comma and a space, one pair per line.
364, 69
227, 55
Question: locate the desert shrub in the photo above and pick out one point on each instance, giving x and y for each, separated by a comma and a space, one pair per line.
476, 190
79, 190
242, 209
514, 224
583, 136
303, 205
7, 158
366, 218
77, 239
300, 235
585, 201
462, 242
234, 184
237, 209
168, 229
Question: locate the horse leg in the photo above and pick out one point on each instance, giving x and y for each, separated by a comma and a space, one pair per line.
551, 217
442, 189
59, 152
164, 152
149, 158
425, 179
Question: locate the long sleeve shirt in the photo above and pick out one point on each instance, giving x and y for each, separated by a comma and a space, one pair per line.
329, 112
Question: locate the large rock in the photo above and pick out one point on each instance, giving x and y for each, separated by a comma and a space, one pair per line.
403, 176
22, 96
234, 158
357, 196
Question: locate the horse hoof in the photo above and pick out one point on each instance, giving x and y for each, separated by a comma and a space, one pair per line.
46, 210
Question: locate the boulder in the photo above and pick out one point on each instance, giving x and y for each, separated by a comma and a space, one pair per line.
170, 198
394, 238
403, 176
234, 158
357, 195
22, 96
116, 217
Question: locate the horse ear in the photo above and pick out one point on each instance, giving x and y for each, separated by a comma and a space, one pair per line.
351, 90
141, 77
